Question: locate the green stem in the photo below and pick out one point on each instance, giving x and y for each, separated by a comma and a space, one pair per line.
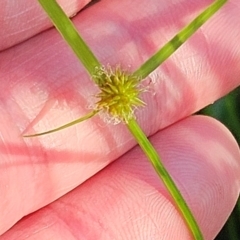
89, 115
166, 178
169, 48
70, 34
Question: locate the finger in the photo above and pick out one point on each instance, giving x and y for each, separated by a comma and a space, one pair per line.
127, 201
25, 19
45, 85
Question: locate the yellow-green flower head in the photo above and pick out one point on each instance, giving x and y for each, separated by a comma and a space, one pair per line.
119, 93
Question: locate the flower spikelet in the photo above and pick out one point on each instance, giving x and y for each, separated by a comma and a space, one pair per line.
119, 93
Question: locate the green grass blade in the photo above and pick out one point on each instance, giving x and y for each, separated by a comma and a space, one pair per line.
165, 177
65, 26
89, 115
169, 48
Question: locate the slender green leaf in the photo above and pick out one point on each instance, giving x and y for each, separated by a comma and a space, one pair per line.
156, 162
89, 115
169, 48
70, 34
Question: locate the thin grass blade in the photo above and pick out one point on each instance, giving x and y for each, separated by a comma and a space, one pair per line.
169, 48
68, 31
91, 114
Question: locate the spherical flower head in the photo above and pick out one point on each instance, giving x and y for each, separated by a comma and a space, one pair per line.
119, 93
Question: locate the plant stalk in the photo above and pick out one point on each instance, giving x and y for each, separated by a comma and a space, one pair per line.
156, 162
68, 31
170, 47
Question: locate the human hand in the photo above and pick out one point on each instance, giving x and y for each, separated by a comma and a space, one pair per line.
43, 86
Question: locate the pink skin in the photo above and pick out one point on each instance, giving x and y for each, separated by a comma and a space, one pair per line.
43, 86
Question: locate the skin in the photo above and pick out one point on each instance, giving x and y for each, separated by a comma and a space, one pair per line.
55, 180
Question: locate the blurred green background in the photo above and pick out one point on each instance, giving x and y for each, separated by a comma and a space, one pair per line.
227, 111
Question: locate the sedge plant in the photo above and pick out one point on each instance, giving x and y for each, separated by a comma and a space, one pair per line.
120, 91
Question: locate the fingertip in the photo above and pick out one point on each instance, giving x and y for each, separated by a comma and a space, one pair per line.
203, 158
